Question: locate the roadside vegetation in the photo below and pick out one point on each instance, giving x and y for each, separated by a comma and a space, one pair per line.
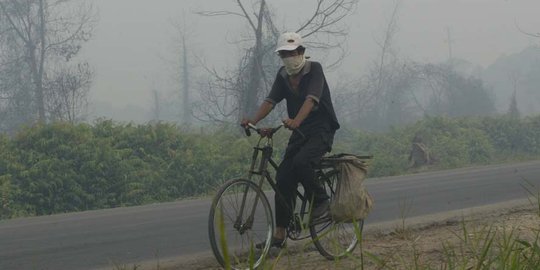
507, 238
62, 167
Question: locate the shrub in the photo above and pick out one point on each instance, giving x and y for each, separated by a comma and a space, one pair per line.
61, 167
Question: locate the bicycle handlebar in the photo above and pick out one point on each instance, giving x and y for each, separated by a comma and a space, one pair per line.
270, 131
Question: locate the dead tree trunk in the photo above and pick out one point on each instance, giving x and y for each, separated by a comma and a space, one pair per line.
186, 103
249, 94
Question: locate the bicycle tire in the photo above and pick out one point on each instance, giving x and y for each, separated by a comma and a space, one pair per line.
335, 240
233, 244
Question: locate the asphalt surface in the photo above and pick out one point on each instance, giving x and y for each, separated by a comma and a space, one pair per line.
119, 237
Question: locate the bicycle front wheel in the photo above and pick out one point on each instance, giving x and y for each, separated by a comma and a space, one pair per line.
334, 240
240, 218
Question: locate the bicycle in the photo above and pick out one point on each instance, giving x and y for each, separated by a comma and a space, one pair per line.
237, 222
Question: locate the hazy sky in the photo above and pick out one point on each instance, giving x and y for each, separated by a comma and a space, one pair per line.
135, 37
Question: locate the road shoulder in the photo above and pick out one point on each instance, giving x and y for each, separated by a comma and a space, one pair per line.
393, 241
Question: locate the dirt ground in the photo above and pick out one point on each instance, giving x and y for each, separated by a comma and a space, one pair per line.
404, 243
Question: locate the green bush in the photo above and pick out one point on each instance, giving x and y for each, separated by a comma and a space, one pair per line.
60, 167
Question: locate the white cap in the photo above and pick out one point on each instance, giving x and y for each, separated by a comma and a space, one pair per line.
289, 42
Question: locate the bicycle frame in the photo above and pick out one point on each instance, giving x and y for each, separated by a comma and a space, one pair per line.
263, 154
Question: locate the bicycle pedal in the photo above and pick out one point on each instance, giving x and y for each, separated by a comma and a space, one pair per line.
320, 220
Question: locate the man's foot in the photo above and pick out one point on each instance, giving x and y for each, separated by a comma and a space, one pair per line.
276, 242
320, 209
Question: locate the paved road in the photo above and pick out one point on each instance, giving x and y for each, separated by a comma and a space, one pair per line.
120, 236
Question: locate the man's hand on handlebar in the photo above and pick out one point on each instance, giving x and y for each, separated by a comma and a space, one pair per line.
291, 123
269, 132
244, 123
247, 124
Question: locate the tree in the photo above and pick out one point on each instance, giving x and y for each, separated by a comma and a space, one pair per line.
47, 35
156, 108
237, 93
186, 99
68, 91
454, 94
380, 98
513, 110
15, 86
183, 68
518, 71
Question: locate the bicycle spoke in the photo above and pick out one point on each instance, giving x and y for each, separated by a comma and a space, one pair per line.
335, 240
236, 201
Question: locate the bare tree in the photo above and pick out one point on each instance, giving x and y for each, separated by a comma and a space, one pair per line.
16, 106
430, 76
186, 99
325, 29
156, 108
376, 93
67, 92
16, 102
513, 110
238, 92
251, 75
184, 68
49, 33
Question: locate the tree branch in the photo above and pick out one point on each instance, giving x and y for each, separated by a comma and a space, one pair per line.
536, 35
12, 23
246, 14
218, 13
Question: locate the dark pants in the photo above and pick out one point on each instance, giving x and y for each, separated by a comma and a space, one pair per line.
297, 167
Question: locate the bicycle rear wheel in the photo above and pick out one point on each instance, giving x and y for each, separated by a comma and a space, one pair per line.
240, 218
334, 240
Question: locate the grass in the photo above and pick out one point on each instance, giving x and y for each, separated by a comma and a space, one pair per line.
402, 231
471, 245
494, 248
534, 194
474, 247
483, 247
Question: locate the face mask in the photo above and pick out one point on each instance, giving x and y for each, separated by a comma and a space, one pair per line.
294, 64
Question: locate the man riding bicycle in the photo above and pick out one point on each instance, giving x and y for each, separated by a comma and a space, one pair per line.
310, 111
